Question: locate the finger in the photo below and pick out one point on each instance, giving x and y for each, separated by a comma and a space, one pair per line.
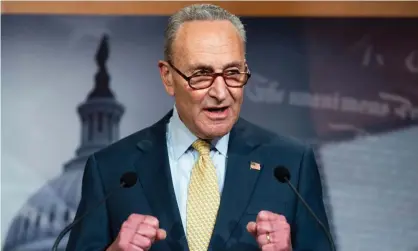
136, 218
262, 240
281, 239
252, 228
152, 221
264, 227
147, 231
267, 216
272, 226
141, 241
161, 234
124, 237
269, 238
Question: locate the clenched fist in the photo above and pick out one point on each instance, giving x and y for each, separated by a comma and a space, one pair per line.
271, 231
138, 233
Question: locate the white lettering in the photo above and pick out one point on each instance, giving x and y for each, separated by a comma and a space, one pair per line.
267, 94
405, 110
350, 104
265, 91
258, 79
319, 101
299, 98
411, 62
370, 55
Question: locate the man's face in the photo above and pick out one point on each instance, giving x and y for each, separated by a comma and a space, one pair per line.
206, 47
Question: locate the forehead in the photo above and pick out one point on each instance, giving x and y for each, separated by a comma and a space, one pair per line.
210, 42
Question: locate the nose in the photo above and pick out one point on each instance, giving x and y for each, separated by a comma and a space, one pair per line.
219, 89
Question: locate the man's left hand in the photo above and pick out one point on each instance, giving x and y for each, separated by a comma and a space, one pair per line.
271, 231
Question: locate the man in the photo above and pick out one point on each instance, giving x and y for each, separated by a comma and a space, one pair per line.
205, 175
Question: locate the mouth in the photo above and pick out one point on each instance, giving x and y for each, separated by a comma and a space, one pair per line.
217, 113
216, 109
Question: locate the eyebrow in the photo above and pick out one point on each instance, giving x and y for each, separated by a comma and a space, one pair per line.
209, 67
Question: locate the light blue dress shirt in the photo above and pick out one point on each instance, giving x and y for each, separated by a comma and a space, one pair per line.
182, 158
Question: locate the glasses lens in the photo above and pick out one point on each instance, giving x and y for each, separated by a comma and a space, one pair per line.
233, 80
236, 79
200, 82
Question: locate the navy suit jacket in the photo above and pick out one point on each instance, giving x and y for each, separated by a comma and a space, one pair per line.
246, 191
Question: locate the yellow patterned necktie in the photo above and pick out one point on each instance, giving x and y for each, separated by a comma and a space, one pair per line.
203, 199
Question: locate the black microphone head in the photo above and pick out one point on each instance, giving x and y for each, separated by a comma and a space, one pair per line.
282, 174
128, 179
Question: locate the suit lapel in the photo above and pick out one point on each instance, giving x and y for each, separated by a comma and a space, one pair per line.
155, 177
239, 183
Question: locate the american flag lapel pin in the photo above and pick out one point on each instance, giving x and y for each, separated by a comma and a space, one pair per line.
255, 166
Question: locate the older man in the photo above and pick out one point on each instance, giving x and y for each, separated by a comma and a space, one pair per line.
205, 174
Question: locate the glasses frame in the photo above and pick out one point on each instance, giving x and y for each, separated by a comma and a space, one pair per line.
213, 75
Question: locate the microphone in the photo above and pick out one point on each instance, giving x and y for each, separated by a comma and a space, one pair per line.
282, 174
126, 181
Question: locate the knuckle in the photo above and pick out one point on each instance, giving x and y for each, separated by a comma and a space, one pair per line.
282, 218
122, 227
150, 217
132, 217
125, 225
154, 220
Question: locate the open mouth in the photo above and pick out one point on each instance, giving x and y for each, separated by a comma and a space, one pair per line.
217, 110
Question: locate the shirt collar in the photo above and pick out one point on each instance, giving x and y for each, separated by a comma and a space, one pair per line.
181, 138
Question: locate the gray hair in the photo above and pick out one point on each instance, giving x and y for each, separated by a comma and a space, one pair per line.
195, 12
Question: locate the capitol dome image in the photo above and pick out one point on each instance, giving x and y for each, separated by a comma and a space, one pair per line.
53, 207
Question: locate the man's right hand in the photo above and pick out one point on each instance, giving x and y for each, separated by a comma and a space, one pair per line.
138, 233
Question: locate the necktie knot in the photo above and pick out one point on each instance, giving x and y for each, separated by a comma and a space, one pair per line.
202, 147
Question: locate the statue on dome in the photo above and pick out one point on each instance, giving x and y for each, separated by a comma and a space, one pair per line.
102, 79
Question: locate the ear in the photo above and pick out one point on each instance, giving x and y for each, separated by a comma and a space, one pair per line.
166, 77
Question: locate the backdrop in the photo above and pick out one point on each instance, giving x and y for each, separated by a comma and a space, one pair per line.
347, 86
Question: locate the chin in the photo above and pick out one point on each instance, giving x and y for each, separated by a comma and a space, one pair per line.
216, 130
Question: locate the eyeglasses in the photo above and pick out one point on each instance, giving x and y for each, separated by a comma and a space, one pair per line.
202, 80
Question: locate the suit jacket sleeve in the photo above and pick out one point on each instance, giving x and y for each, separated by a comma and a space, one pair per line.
308, 234
92, 232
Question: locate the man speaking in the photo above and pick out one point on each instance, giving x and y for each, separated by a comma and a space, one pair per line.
205, 175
